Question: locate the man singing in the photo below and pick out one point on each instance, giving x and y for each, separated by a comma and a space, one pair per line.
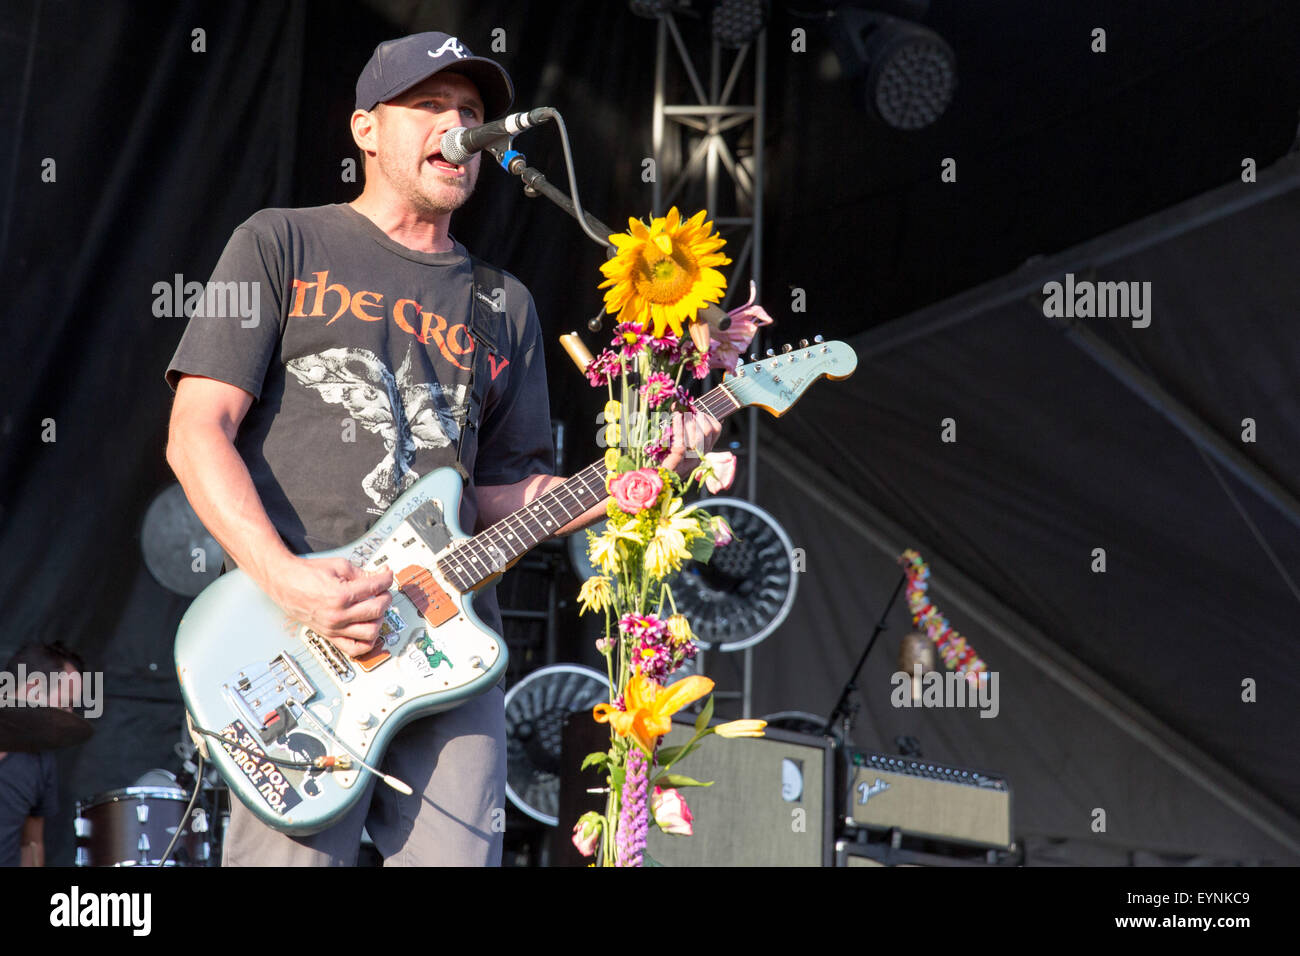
294, 429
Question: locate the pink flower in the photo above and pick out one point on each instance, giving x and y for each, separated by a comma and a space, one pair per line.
721, 532
602, 368
636, 490
745, 322
671, 812
723, 464
586, 834
658, 389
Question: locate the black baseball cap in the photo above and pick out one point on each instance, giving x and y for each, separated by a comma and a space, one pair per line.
398, 65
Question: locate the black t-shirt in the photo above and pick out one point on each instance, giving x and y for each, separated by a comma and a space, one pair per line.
358, 353
28, 788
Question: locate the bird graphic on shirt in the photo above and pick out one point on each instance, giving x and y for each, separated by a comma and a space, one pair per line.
407, 415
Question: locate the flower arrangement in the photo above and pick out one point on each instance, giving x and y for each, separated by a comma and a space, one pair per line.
661, 276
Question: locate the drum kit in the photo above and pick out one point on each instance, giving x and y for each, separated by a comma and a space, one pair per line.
132, 826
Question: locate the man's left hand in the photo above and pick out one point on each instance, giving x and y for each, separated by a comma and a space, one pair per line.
693, 437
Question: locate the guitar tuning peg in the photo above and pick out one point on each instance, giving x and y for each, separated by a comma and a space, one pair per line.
771, 352
786, 347
803, 343
739, 362
817, 338
753, 356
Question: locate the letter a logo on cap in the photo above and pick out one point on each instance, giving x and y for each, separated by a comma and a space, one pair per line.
450, 44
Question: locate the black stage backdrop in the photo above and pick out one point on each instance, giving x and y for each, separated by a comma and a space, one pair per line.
159, 151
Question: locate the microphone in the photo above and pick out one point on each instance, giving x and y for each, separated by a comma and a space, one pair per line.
459, 144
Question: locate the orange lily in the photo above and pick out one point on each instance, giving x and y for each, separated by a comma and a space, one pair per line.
650, 707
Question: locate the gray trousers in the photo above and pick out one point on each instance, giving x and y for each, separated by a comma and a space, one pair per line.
456, 764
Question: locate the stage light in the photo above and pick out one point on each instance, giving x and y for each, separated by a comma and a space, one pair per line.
650, 9
905, 72
737, 22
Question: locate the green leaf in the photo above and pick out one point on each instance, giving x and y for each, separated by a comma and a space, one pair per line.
701, 548
648, 860
678, 780
706, 715
616, 776
667, 755
594, 760
625, 464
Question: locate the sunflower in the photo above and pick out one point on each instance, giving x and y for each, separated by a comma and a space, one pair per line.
663, 273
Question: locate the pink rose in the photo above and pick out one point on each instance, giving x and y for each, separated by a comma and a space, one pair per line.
721, 532
636, 490
586, 835
724, 471
671, 812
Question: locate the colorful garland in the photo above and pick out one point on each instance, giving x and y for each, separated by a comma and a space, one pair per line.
956, 653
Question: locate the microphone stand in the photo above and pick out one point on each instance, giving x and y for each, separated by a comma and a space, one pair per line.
844, 709
536, 184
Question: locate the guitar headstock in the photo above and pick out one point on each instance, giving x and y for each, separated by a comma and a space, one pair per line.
777, 382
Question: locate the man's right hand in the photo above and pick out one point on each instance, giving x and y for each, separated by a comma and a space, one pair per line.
335, 599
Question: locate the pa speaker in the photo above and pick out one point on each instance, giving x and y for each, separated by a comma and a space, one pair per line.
769, 805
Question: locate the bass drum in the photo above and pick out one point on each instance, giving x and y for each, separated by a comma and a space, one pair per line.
133, 826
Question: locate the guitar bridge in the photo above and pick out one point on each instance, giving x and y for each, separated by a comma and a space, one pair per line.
261, 693
334, 660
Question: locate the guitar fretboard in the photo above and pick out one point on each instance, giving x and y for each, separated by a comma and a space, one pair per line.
487, 553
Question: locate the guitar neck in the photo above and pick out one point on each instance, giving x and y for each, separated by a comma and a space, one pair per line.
490, 551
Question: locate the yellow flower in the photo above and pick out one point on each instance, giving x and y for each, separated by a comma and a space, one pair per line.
680, 629
613, 409
604, 553
604, 549
612, 435
665, 552
611, 458
595, 594
650, 707
673, 517
663, 273
741, 728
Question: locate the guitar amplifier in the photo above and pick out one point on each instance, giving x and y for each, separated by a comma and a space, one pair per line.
926, 799
770, 804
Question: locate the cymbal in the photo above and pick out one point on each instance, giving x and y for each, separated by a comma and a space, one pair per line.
33, 729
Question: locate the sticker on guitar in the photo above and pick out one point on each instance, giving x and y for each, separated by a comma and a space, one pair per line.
272, 786
423, 657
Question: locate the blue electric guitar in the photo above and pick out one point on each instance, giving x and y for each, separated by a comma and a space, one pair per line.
295, 726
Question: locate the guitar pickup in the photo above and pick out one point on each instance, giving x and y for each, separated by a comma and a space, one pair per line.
422, 590
371, 659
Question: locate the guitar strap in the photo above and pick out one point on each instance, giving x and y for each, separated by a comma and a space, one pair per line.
485, 323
